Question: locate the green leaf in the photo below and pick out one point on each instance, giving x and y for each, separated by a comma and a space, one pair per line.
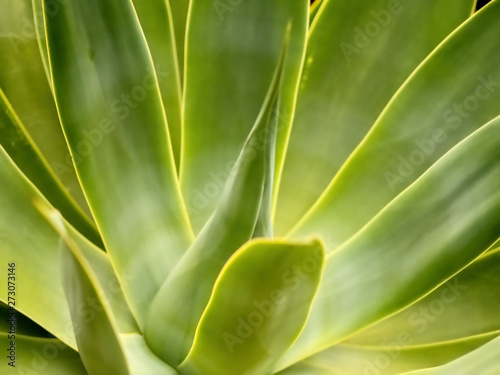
39, 25
313, 11
358, 55
140, 358
258, 307
111, 111
436, 227
157, 24
392, 359
24, 82
179, 16
27, 240
173, 318
481, 361
18, 144
232, 53
417, 127
465, 306
40, 356
96, 334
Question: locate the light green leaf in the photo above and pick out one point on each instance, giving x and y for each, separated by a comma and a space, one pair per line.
20, 147
392, 359
112, 115
39, 25
358, 55
173, 318
179, 16
484, 361
40, 356
156, 21
232, 52
24, 82
140, 358
27, 240
436, 227
465, 306
257, 309
450, 95
96, 335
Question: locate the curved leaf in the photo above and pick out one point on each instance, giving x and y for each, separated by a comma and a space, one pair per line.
258, 307
24, 82
179, 17
436, 227
481, 361
173, 318
25, 154
385, 360
40, 356
372, 49
110, 106
448, 97
466, 305
156, 21
232, 52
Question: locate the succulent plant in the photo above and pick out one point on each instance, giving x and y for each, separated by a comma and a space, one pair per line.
226, 187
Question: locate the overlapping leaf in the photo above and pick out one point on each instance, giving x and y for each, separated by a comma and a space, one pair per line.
435, 228
111, 111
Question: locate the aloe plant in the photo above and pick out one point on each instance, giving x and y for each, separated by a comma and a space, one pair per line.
249, 187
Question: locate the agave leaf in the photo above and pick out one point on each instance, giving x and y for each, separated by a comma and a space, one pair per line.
140, 358
371, 50
465, 306
111, 111
232, 52
39, 24
179, 17
246, 327
96, 335
157, 24
173, 318
20, 147
313, 11
24, 82
445, 220
483, 360
29, 241
40, 356
450, 95
384, 360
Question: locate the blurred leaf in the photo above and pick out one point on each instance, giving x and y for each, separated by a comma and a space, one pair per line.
24, 82
384, 360
40, 356
484, 361
179, 10
313, 11
156, 21
448, 97
358, 55
465, 306
173, 318
112, 114
232, 52
258, 307
436, 227
18, 144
